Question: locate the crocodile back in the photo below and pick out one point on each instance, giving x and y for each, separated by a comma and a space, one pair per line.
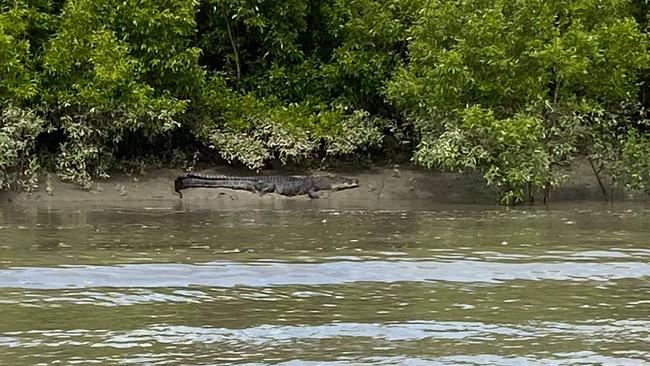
254, 178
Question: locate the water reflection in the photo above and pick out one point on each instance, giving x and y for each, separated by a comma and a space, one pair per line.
227, 274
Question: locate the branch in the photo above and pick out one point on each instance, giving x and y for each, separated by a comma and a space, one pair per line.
600, 182
234, 46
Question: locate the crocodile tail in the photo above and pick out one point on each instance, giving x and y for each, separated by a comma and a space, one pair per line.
178, 185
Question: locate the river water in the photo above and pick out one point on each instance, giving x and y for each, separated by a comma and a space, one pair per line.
454, 286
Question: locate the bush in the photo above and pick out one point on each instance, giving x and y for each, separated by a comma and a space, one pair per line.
245, 129
19, 165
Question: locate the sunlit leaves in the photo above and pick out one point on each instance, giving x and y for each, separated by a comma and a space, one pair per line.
17, 81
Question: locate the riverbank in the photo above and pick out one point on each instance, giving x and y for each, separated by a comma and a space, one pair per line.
388, 187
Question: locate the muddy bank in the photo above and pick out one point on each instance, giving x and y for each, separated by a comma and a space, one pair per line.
381, 188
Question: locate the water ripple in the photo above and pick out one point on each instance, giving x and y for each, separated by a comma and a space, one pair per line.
229, 274
265, 333
180, 339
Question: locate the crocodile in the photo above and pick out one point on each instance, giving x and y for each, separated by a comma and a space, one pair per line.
286, 185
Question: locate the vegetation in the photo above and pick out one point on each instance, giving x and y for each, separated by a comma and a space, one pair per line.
515, 89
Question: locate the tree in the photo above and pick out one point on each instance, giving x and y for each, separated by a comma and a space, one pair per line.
114, 68
513, 88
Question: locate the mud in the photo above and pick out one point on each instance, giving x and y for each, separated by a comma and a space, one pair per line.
394, 187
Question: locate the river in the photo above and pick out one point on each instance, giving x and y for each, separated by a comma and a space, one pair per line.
563, 285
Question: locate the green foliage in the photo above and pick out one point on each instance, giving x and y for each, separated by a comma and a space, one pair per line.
513, 150
542, 69
16, 77
373, 40
636, 165
333, 52
126, 67
19, 165
246, 129
512, 88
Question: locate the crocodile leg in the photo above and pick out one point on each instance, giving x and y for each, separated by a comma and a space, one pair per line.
312, 193
264, 187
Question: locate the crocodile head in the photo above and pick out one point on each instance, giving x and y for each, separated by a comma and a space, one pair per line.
337, 182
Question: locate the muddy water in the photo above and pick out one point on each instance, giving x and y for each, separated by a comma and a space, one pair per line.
559, 286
